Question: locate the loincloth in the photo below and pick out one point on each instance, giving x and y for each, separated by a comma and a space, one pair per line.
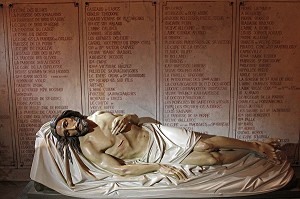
168, 144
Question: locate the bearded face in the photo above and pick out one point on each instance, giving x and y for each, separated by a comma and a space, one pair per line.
72, 126
82, 126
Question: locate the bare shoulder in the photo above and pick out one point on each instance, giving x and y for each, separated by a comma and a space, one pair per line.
103, 113
102, 119
90, 151
95, 141
92, 145
87, 148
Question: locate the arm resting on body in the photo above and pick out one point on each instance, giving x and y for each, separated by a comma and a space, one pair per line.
120, 123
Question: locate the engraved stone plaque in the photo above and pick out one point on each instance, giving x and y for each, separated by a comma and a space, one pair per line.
197, 42
269, 72
46, 67
121, 57
7, 151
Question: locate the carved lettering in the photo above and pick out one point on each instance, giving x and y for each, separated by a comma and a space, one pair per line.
193, 92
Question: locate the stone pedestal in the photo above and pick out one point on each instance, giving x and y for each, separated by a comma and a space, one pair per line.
292, 190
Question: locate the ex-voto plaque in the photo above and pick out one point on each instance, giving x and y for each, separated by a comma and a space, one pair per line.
121, 57
268, 71
197, 43
45, 60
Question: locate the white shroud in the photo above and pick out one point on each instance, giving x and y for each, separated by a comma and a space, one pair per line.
248, 176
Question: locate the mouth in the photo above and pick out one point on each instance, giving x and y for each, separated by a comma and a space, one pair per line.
82, 126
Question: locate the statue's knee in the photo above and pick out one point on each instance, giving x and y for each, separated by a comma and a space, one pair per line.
202, 146
212, 161
215, 158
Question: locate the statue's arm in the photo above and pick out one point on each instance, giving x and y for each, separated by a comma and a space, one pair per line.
109, 163
112, 165
132, 118
115, 123
120, 122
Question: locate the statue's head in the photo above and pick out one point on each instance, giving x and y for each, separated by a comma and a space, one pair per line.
68, 124
67, 127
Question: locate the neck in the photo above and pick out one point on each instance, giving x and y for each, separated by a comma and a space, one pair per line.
91, 125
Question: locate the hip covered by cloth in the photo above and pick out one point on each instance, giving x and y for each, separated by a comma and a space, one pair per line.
168, 144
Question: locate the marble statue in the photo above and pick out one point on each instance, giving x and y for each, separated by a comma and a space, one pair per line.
120, 155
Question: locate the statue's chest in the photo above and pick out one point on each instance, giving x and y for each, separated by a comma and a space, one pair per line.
121, 149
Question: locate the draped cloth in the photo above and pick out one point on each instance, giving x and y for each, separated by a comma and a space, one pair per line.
168, 144
248, 176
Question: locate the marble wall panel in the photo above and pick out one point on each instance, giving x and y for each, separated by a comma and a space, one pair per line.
197, 64
121, 57
45, 61
268, 71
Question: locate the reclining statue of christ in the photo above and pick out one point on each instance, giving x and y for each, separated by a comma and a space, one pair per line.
106, 154
121, 145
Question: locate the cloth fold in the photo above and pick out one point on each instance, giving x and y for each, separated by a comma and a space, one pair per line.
168, 144
248, 176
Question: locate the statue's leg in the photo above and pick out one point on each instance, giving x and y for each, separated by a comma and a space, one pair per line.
230, 156
214, 158
219, 142
200, 158
202, 146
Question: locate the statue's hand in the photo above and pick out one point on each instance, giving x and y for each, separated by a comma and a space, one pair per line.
119, 124
172, 172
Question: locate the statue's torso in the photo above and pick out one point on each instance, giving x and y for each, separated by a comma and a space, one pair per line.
128, 145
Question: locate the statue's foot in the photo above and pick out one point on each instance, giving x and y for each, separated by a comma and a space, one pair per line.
273, 142
266, 150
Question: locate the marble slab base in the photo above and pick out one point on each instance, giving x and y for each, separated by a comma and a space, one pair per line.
292, 190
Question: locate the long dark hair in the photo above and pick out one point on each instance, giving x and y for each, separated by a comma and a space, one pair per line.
64, 141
